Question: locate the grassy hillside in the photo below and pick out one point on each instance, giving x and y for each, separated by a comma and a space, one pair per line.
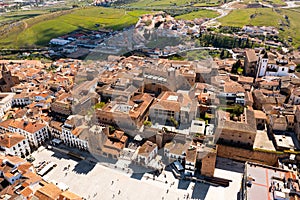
198, 14
267, 17
39, 30
272, 2
260, 17
14, 16
173, 3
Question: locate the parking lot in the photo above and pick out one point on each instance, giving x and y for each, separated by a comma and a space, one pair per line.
95, 181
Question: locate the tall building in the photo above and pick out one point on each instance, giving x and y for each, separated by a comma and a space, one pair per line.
7, 81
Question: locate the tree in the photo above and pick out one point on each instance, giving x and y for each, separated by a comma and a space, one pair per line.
99, 105
174, 122
236, 66
222, 54
147, 123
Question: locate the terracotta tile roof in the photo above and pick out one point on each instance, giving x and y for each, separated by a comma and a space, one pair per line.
177, 148
8, 175
23, 168
55, 124
9, 140
15, 159
77, 131
245, 79
258, 114
167, 105
116, 134
26, 192
6, 123
32, 178
116, 145
147, 148
233, 87
30, 127
67, 195
142, 107
48, 192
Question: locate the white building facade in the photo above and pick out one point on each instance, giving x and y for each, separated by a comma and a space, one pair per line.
36, 133
14, 144
5, 102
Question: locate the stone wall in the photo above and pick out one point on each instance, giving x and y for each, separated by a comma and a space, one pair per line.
240, 154
208, 164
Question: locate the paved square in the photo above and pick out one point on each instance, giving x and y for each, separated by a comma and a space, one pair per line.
100, 182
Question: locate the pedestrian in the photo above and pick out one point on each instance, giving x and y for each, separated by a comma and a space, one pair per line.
112, 182
113, 195
119, 192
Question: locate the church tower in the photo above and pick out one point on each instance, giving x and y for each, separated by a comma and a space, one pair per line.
7, 81
6, 75
262, 64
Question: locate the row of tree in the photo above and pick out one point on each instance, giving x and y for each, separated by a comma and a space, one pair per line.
222, 41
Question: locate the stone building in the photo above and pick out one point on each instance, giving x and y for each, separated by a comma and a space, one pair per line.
7, 81
239, 132
250, 63
126, 114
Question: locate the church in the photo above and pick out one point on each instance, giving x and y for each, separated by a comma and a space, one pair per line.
7, 81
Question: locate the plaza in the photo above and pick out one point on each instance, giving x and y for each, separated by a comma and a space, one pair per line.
96, 181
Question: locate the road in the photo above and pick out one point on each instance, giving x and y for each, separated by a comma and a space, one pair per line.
227, 7
223, 10
291, 4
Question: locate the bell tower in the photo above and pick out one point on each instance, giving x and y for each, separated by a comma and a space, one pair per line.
6, 75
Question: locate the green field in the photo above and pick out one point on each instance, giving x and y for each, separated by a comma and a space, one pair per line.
159, 3
172, 3
241, 17
272, 2
209, 3
15, 16
267, 17
198, 14
39, 30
